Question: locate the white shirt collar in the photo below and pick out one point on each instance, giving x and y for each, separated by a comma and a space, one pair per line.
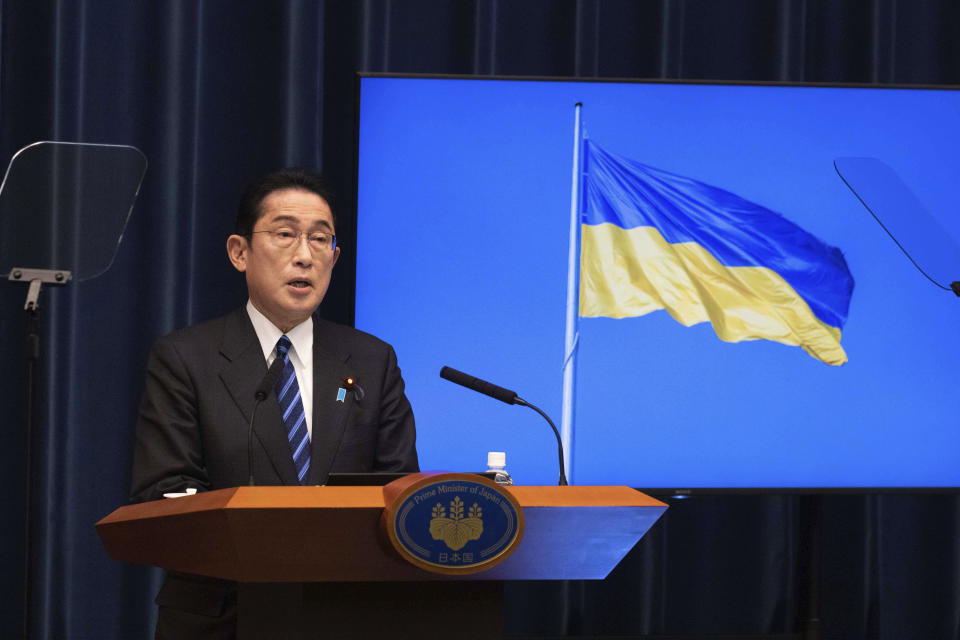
301, 336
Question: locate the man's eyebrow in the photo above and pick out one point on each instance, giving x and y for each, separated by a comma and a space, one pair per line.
294, 219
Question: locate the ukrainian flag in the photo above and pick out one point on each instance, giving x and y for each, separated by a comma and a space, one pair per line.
655, 240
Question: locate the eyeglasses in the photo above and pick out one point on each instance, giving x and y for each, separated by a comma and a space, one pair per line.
318, 241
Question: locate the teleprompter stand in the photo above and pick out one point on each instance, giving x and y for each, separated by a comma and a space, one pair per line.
63, 209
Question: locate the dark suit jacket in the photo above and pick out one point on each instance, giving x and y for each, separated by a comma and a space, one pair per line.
192, 427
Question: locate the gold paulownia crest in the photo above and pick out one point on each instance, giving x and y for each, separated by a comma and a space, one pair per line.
456, 531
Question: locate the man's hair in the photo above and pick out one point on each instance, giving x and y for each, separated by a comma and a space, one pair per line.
250, 208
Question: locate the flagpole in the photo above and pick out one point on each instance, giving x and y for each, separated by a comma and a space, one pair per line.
572, 333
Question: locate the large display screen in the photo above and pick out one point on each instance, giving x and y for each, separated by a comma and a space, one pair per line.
773, 335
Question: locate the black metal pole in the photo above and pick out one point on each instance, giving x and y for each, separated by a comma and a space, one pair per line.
33, 358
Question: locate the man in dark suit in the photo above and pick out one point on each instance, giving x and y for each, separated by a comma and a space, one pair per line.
338, 403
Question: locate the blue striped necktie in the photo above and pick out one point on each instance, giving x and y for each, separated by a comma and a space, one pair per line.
294, 418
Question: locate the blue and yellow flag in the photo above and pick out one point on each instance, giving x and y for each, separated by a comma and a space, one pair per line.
656, 240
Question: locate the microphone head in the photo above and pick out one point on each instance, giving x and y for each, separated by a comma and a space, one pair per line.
478, 385
269, 379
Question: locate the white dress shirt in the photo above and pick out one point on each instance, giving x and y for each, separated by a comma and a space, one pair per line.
301, 354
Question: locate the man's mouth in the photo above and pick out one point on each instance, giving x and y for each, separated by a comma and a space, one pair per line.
299, 284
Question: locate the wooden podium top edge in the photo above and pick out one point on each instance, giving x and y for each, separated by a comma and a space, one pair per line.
372, 497
366, 497
582, 496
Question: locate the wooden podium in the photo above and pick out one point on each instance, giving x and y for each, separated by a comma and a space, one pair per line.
315, 561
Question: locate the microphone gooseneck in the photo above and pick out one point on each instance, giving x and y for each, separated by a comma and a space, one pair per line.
263, 390
563, 476
503, 395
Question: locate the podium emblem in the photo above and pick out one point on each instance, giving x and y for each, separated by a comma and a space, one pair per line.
456, 530
452, 522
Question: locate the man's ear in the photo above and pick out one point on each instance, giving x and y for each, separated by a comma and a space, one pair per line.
336, 256
237, 248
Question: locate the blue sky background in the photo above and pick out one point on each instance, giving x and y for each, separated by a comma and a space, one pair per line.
463, 213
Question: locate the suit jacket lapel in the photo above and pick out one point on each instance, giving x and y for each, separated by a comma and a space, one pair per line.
241, 374
329, 415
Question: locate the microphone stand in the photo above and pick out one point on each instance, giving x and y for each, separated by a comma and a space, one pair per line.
503, 395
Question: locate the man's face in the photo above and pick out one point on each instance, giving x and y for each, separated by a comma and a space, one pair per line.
286, 285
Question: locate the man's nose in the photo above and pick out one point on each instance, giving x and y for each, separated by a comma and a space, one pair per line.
302, 253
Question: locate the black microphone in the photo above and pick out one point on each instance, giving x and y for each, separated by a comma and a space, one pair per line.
481, 386
503, 395
269, 380
263, 390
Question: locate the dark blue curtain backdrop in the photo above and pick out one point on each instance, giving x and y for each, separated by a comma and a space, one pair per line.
217, 92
